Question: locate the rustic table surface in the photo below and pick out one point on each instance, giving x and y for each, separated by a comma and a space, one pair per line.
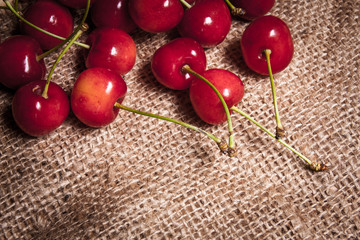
144, 178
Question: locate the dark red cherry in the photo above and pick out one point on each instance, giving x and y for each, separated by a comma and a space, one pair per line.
168, 60
254, 8
204, 100
50, 16
111, 48
156, 15
94, 94
207, 21
36, 115
112, 13
267, 32
78, 4
18, 61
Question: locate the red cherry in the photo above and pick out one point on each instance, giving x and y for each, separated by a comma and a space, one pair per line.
94, 94
204, 100
36, 115
18, 61
255, 8
267, 32
168, 60
77, 4
111, 48
207, 21
112, 13
156, 15
50, 16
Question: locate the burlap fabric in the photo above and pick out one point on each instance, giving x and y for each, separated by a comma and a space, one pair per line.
142, 178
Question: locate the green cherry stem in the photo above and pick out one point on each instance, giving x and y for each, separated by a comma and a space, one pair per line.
313, 165
185, 3
280, 132
80, 26
8, 4
77, 34
222, 144
232, 152
16, 5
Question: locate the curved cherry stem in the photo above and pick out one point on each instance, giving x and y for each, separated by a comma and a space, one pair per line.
185, 3
280, 132
8, 4
222, 144
232, 152
77, 34
313, 165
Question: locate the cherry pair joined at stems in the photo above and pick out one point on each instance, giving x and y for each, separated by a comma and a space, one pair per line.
312, 165
173, 61
26, 63
39, 107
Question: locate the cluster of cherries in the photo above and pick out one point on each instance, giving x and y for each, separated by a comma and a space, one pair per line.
41, 106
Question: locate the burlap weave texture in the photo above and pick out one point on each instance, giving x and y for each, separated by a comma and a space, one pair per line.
141, 178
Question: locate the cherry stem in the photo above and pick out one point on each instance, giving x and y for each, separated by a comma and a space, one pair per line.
222, 144
232, 152
16, 5
40, 29
234, 10
280, 132
80, 26
77, 34
313, 165
185, 3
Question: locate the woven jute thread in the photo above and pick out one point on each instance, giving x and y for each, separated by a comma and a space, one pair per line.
141, 178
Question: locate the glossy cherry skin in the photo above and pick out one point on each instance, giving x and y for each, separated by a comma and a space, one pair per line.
207, 21
156, 16
18, 61
50, 16
77, 4
254, 8
94, 94
112, 13
111, 48
267, 32
36, 115
168, 60
204, 100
